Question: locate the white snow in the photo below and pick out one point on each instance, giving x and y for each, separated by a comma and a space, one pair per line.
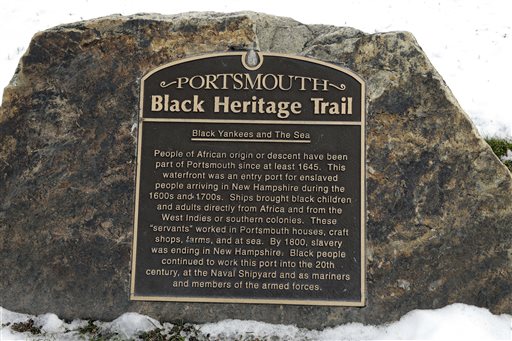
508, 156
129, 325
51, 323
125, 327
454, 322
468, 41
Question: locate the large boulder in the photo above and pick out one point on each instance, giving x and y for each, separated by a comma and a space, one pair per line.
439, 202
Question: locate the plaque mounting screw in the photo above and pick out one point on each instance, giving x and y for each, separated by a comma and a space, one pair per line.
252, 58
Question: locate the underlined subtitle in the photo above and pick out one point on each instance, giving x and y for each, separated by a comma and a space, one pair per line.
248, 140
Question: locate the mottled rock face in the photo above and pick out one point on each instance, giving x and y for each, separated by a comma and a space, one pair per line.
439, 202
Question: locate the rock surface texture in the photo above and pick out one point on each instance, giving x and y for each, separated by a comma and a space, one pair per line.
439, 202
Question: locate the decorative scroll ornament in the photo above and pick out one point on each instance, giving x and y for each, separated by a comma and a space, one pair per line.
163, 84
341, 87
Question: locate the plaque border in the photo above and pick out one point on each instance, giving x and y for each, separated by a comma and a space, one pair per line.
362, 124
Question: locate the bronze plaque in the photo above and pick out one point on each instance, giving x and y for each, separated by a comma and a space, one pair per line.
250, 182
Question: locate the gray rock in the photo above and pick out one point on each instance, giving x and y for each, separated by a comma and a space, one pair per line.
439, 201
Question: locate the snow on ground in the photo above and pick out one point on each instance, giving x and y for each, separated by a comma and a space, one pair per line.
454, 322
507, 157
468, 41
